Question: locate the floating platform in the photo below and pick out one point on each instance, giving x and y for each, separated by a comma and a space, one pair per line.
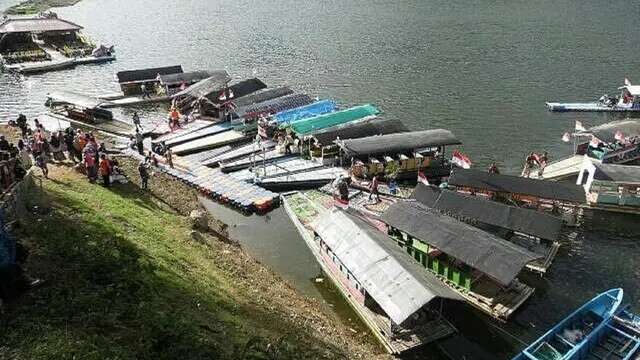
110, 127
588, 107
255, 158
240, 152
196, 134
209, 142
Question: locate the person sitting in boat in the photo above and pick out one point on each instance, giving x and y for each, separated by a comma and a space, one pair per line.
493, 169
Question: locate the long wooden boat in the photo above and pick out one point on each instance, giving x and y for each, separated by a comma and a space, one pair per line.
367, 275
580, 335
628, 101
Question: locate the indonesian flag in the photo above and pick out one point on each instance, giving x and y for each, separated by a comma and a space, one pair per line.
579, 126
566, 137
422, 178
461, 160
619, 136
627, 82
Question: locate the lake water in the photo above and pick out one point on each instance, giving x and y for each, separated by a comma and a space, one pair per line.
482, 69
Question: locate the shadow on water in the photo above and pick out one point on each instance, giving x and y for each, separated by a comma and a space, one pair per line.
108, 296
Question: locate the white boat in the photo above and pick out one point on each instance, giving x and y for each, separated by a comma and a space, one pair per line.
629, 100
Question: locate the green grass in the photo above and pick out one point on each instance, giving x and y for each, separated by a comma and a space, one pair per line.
124, 280
31, 7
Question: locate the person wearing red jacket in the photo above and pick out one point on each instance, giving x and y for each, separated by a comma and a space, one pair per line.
105, 169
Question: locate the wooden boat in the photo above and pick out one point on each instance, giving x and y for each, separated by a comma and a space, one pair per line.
481, 267
629, 100
366, 267
86, 112
579, 335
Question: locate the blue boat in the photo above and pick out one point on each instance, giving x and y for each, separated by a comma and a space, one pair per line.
585, 334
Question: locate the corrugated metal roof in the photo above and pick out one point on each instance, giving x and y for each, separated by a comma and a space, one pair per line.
320, 122
188, 77
213, 84
617, 173
359, 130
240, 89
262, 96
395, 143
275, 105
37, 25
517, 185
607, 132
150, 74
526, 221
493, 256
389, 275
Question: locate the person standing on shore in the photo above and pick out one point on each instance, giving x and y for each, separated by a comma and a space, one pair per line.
41, 162
139, 142
374, 189
144, 175
105, 169
168, 155
136, 121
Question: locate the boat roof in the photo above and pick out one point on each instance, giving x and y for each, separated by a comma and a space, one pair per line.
634, 90
262, 96
241, 88
401, 142
479, 249
617, 173
275, 105
393, 279
518, 185
187, 77
213, 84
607, 132
359, 130
73, 98
314, 124
317, 108
37, 25
526, 221
150, 74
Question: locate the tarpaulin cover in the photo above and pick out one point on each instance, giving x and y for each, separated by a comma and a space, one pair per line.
607, 132
262, 96
307, 111
389, 275
526, 221
485, 252
309, 125
274, 105
147, 74
240, 89
358, 130
617, 173
517, 185
396, 143
213, 84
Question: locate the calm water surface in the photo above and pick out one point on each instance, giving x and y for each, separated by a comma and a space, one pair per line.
482, 69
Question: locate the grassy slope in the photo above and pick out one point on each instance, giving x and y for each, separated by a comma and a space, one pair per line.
125, 280
36, 6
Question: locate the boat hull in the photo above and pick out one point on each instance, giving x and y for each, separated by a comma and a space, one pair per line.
588, 107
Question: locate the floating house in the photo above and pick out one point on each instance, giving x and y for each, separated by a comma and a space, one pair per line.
479, 266
30, 45
611, 187
395, 298
616, 142
532, 230
530, 193
405, 154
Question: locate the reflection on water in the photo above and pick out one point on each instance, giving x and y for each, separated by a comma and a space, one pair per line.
482, 69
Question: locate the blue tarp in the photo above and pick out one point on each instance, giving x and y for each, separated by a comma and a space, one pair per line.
307, 111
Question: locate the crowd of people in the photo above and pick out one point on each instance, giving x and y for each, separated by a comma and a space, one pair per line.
40, 147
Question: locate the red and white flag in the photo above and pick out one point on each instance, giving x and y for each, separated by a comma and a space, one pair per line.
619, 135
461, 160
579, 126
422, 178
627, 82
566, 137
